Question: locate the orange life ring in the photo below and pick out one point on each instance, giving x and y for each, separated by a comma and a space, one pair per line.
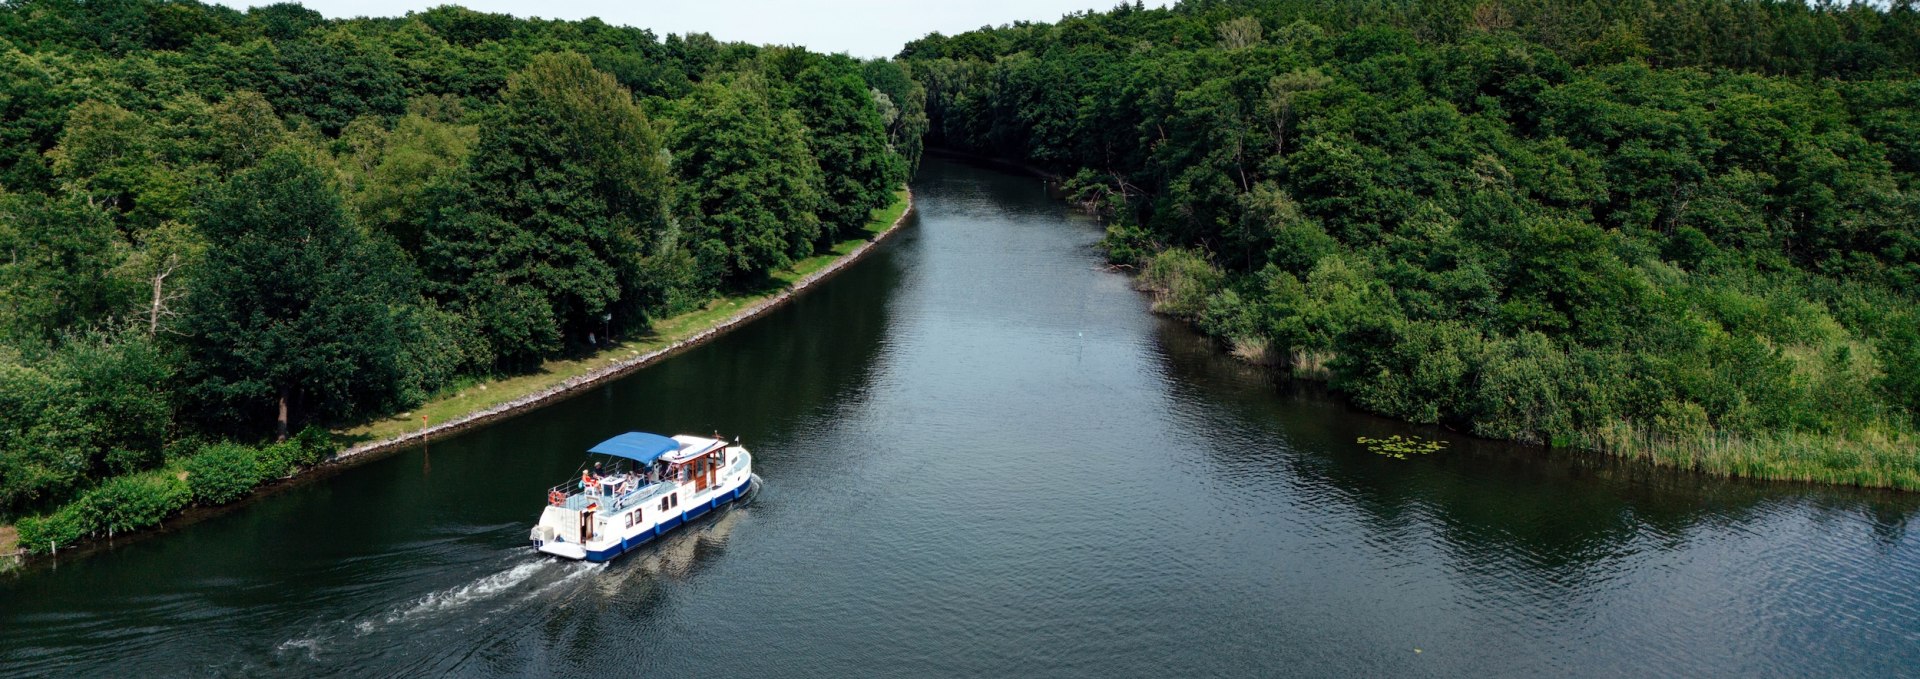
556, 498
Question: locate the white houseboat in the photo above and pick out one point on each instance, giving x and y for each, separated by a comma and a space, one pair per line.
649, 485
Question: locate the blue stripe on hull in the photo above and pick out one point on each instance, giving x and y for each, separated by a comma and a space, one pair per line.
667, 526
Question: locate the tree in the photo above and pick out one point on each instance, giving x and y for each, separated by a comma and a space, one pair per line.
33, 102
749, 182
334, 78
56, 262
294, 311
908, 126
244, 128
106, 154
1239, 33
163, 260
396, 176
569, 185
850, 143
1282, 93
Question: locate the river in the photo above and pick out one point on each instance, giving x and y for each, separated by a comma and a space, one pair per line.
982, 456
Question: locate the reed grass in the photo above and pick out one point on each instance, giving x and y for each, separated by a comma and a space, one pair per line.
1255, 350
1879, 457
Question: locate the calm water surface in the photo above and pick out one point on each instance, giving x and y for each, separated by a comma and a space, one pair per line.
983, 457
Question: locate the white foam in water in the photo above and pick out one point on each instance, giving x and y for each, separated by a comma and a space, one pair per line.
456, 597
459, 597
312, 647
578, 571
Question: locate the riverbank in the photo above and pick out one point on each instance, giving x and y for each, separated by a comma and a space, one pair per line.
1884, 457
491, 400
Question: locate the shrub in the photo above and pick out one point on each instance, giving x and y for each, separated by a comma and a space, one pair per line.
278, 460
126, 503
1182, 280
1127, 243
116, 385
39, 534
178, 450
1229, 316
222, 473
1517, 394
118, 505
1420, 371
1900, 384
316, 445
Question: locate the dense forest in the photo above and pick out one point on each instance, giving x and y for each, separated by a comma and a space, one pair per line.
219, 227
1682, 230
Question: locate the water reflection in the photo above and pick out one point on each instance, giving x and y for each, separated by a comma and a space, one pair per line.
1555, 539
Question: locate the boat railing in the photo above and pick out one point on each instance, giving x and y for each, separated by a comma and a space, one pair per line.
578, 496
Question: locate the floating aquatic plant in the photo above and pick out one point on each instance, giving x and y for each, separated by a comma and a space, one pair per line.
1399, 447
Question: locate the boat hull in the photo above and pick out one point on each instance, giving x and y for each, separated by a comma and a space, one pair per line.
628, 544
607, 550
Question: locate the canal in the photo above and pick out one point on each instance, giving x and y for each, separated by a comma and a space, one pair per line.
982, 456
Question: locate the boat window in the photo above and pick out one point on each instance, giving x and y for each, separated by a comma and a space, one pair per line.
663, 504
676, 499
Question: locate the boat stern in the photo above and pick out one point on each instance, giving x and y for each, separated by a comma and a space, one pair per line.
557, 533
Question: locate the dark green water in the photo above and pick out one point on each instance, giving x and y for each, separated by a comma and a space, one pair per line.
982, 457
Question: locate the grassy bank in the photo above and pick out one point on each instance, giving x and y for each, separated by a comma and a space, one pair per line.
223, 473
1871, 459
666, 333
1472, 386
213, 475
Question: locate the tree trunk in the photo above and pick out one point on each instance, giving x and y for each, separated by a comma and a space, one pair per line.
280, 428
159, 309
153, 313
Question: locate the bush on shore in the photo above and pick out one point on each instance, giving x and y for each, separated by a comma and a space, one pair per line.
121, 504
223, 472
217, 474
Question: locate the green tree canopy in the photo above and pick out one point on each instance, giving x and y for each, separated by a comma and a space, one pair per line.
847, 137
569, 190
750, 184
294, 316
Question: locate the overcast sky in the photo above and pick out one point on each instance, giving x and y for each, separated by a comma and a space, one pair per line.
863, 28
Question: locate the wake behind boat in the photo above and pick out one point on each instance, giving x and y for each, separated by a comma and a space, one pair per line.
652, 485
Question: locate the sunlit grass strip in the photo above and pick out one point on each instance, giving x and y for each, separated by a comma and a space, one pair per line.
473, 399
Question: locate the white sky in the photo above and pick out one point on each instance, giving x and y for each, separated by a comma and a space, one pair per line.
863, 28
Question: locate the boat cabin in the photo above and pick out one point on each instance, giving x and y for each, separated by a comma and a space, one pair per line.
640, 466
636, 491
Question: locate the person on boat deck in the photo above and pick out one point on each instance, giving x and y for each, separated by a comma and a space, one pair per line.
586, 480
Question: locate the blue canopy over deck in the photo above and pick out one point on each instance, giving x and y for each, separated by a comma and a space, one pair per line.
639, 446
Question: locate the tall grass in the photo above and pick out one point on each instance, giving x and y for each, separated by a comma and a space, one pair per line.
1878, 457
